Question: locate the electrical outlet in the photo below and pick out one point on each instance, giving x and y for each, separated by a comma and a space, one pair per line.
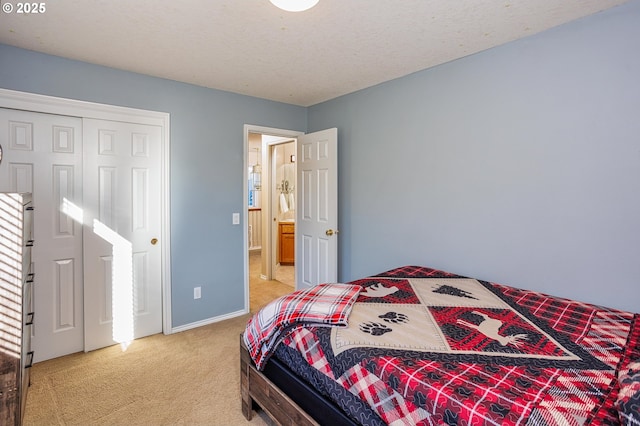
196, 293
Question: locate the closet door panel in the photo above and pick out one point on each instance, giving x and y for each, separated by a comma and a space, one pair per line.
43, 156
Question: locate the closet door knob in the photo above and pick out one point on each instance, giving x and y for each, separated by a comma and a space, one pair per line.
154, 241
330, 232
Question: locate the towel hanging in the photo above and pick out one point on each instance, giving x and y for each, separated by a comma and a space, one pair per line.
292, 201
283, 204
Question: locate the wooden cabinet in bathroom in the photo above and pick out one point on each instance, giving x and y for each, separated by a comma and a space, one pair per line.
286, 242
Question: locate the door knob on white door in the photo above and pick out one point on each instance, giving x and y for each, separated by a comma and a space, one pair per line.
330, 232
154, 241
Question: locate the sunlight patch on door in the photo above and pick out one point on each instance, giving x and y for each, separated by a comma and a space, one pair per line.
72, 210
122, 292
122, 284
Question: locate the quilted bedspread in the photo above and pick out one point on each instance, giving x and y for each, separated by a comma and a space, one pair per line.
429, 347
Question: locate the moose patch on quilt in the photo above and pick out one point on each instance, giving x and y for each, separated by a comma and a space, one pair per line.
461, 317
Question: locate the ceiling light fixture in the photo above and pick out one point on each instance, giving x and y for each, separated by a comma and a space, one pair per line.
294, 5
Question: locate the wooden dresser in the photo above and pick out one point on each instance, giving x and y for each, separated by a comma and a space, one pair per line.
16, 315
286, 239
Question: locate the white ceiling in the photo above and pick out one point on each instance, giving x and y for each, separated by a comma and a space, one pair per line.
252, 48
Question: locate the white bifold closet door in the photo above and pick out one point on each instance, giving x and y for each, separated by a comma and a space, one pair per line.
95, 187
42, 154
122, 255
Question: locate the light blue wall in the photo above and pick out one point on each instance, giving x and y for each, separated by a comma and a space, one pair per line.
519, 165
206, 164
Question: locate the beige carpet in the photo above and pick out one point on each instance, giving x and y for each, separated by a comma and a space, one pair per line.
187, 378
282, 273
285, 274
261, 291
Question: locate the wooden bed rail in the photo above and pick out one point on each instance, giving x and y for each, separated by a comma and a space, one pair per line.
256, 389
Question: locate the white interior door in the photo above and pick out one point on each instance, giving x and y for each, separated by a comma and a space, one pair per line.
317, 208
43, 155
122, 223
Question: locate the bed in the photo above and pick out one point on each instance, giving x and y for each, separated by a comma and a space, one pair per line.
416, 345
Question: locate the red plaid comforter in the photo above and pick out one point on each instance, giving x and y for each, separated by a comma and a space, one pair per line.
507, 357
322, 305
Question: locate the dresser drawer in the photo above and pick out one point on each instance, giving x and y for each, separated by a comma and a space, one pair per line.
27, 226
27, 299
26, 260
27, 353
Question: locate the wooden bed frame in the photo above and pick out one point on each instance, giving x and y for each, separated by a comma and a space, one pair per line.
284, 396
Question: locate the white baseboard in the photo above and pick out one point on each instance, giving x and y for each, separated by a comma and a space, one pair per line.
207, 321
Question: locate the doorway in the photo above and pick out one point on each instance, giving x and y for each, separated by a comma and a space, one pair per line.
317, 209
282, 154
263, 269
